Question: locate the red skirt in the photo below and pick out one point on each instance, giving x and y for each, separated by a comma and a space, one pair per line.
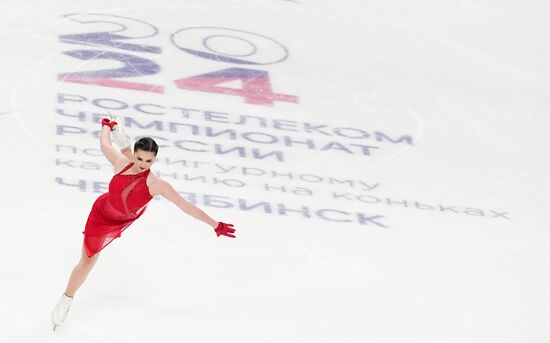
105, 223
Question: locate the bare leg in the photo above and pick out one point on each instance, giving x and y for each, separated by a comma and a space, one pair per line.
80, 272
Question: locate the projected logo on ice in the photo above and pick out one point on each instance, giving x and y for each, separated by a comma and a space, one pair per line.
246, 48
114, 65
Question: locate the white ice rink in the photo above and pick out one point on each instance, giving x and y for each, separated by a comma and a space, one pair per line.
385, 165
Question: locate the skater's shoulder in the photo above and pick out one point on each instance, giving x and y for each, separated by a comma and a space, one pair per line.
158, 186
121, 163
154, 183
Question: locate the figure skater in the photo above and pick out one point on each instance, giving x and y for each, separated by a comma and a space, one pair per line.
130, 190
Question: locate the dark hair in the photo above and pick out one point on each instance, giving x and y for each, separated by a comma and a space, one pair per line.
146, 144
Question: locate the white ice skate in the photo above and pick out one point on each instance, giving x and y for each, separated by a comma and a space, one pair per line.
61, 310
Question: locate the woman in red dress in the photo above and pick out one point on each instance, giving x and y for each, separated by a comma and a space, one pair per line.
130, 190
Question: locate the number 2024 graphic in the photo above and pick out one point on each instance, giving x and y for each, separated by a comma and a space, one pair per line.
217, 44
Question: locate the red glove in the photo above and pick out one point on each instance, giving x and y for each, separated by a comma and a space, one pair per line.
110, 123
225, 229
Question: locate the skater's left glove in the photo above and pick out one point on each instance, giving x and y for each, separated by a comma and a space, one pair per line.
110, 123
225, 229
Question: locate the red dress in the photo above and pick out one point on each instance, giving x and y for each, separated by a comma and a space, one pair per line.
115, 210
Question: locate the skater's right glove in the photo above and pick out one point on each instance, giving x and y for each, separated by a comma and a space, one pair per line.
225, 229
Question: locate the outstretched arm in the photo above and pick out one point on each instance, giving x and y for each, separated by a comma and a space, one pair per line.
107, 148
120, 138
167, 191
127, 152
